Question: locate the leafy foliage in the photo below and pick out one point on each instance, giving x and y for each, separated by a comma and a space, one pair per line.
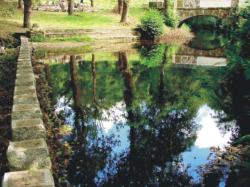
171, 17
152, 24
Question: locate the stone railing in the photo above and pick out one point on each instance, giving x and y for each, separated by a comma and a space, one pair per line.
28, 154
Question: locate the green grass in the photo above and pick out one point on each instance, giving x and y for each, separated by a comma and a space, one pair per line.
103, 17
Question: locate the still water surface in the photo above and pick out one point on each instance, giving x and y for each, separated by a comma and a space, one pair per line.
145, 116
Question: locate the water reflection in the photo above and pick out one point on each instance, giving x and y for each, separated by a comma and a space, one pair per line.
136, 124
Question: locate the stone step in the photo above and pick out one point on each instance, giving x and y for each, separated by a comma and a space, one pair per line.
32, 178
28, 129
28, 154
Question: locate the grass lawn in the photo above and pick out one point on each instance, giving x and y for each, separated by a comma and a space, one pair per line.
103, 17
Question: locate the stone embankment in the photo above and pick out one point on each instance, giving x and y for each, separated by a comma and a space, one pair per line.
28, 154
113, 33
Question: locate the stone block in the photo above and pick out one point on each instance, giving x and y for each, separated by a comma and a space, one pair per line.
26, 114
28, 129
20, 90
31, 178
28, 154
26, 76
25, 80
24, 71
26, 100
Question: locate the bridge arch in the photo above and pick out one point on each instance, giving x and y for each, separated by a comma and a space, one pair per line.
197, 16
220, 13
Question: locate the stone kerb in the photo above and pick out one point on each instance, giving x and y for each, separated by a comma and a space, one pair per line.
28, 154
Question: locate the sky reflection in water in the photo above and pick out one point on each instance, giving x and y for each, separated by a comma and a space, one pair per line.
208, 135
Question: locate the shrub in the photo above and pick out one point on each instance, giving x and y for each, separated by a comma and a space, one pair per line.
152, 24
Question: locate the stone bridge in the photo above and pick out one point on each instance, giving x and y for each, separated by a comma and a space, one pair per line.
192, 8
188, 57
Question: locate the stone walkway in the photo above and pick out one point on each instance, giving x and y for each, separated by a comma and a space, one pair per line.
28, 154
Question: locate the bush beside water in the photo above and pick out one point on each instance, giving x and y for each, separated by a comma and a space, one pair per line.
152, 24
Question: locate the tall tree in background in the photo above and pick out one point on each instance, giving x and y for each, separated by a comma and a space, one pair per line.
120, 2
26, 13
125, 7
92, 3
70, 7
165, 5
20, 4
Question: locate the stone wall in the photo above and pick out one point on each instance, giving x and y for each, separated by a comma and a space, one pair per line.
185, 13
28, 154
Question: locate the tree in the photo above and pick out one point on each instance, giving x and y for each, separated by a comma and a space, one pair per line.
27, 12
125, 7
92, 3
20, 4
120, 2
165, 5
70, 7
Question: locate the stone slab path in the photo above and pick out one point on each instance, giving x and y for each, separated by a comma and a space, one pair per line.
28, 154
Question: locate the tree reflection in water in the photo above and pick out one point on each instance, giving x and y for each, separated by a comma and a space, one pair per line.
132, 121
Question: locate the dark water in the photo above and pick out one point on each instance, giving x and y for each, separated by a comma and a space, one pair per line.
148, 116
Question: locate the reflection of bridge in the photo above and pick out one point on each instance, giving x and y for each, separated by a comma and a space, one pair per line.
187, 56
192, 8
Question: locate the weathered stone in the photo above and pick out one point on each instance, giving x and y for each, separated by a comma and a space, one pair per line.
28, 154
26, 107
25, 100
19, 90
32, 93
31, 178
23, 82
26, 76
36, 113
24, 71
28, 129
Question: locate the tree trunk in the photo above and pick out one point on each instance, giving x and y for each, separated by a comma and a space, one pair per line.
70, 7
120, 6
92, 3
93, 67
125, 11
27, 12
165, 6
20, 4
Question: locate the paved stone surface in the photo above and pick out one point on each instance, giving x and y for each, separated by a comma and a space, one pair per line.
33, 178
28, 154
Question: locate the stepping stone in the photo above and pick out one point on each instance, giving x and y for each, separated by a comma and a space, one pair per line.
32, 178
32, 93
28, 154
19, 90
25, 80
24, 71
27, 129
29, 75
26, 107
26, 100
26, 114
